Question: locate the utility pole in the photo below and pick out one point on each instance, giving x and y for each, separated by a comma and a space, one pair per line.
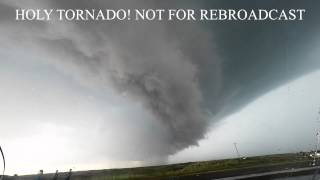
235, 147
317, 144
55, 177
69, 175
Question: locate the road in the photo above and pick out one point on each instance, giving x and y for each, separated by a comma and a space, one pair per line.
273, 173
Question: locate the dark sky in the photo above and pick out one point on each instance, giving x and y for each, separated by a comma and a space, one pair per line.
259, 56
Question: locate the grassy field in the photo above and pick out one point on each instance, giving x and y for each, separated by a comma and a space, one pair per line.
187, 169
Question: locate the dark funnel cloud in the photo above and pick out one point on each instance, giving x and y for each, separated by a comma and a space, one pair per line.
184, 73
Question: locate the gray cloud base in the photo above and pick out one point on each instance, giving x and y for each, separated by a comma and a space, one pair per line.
172, 68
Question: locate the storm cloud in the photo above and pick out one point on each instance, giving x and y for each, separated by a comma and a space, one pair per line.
185, 74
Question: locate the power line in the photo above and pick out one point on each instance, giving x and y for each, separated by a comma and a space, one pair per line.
4, 163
